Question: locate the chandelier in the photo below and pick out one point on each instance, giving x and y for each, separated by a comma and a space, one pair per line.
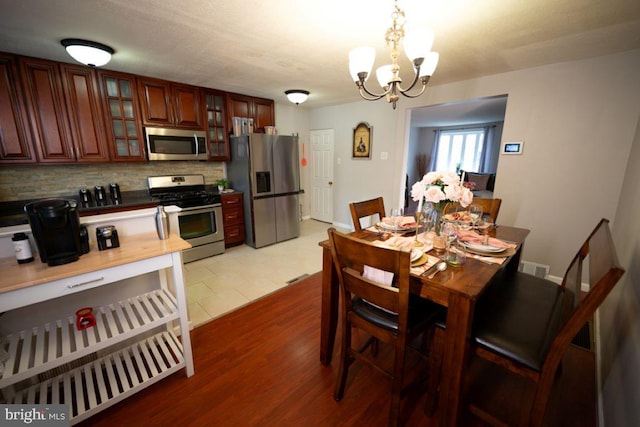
417, 46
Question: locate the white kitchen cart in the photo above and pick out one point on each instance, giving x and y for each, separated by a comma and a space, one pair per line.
133, 344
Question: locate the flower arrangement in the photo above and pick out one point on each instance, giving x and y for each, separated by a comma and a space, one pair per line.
441, 188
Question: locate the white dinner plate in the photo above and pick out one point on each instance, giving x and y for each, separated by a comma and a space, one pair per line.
483, 248
415, 254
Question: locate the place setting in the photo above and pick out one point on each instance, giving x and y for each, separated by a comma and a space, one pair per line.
484, 247
396, 223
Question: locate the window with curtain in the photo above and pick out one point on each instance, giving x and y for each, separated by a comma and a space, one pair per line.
460, 149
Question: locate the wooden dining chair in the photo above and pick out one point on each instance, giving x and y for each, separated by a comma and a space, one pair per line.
525, 323
384, 312
490, 207
366, 209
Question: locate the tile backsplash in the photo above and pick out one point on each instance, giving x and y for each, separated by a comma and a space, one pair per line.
34, 182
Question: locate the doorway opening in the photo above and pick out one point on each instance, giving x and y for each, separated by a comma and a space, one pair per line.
455, 134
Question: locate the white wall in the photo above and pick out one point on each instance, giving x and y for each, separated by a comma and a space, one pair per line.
579, 121
619, 315
294, 119
361, 179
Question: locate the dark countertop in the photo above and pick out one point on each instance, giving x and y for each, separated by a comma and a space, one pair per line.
12, 213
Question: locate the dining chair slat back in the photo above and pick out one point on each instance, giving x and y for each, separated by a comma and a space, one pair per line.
490, 207
380, 310
366, 208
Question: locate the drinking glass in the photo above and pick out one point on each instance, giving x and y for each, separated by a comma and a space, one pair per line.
487, 226
419, 217
396, 219
449, 232
455, 255
475, 211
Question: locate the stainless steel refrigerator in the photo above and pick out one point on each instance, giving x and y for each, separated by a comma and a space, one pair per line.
265, 168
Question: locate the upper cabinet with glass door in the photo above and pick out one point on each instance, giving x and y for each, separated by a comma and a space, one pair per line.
123, 116
216, 126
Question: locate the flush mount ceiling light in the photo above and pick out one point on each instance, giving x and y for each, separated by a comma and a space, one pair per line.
297, 96
417, 46
87, 52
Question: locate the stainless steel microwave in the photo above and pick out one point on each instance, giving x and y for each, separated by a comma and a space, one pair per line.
176, 144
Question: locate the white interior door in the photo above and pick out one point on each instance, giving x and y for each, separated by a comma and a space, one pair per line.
321, 174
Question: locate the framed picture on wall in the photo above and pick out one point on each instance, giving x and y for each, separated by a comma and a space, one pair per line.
362, 141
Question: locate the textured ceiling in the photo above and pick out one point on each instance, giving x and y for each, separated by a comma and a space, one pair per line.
263, 48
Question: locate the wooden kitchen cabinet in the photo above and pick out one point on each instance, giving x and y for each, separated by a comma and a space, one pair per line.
260, 109
86, 119
122, 116
64, 111
233, 219
168, 104
217, 136
15, 138
47, 111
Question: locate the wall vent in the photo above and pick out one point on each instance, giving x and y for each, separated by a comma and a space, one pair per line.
538, 270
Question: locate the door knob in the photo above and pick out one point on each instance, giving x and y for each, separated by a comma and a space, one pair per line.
330, 182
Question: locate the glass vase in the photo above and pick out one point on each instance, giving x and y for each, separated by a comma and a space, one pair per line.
434, 212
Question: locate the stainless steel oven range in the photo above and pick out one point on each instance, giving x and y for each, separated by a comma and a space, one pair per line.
200, 220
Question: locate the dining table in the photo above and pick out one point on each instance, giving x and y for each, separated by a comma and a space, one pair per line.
457, 288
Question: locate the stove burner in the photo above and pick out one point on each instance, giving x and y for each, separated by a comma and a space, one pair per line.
184, 191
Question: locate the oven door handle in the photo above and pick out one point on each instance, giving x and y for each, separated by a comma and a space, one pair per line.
199, 208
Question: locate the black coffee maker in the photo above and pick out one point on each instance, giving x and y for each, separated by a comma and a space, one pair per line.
55, 225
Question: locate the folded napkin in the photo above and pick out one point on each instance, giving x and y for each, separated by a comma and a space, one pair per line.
400, 241
475, 238
374, 229
405, 222
430, 263
491, 259
380, 276
377, 275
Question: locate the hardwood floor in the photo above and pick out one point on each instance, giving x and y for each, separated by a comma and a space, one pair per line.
260, 365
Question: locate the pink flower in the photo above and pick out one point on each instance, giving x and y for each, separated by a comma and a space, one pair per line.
467, 198
437, 187
434, 194
417, 191
431, 178
450, 179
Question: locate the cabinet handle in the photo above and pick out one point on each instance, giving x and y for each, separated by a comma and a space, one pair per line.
85, 283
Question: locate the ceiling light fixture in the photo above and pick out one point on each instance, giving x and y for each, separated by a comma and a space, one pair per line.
297, 96
87, 52
417, 46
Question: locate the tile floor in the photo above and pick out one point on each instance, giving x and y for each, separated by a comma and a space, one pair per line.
222, 283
